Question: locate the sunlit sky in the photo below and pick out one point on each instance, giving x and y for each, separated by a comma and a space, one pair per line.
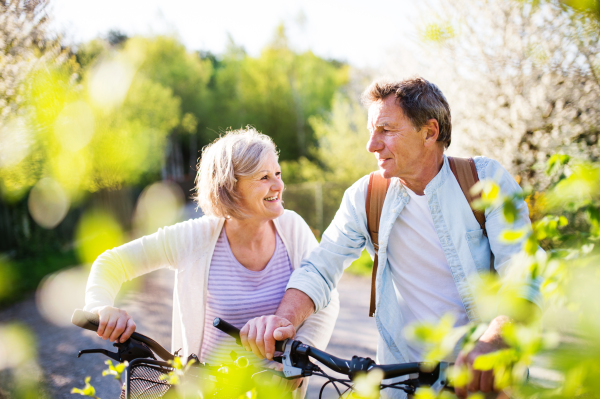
355, 31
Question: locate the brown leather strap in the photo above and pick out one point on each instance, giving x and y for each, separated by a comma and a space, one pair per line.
378, 186
465, 172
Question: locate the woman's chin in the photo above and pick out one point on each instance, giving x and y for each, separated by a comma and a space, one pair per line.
277, 211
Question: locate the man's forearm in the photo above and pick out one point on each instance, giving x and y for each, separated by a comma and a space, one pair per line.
295, 306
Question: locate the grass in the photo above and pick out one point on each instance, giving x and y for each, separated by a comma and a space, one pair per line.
362, 266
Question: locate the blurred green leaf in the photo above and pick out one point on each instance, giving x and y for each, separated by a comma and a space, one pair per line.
87, 390
114, 370
555, 162
513, 236
509, 211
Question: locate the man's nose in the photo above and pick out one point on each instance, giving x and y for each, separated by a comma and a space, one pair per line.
374, 144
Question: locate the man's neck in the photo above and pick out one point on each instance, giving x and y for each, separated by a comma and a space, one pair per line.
430, 168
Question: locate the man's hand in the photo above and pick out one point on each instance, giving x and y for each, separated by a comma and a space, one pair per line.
259, 334
115, 324
490, 341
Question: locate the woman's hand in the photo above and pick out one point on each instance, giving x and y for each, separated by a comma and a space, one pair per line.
115, 324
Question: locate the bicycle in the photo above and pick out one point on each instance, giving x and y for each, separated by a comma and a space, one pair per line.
142, 376
148, 377
295, 357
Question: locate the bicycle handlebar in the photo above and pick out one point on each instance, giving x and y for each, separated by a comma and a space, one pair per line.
90, 321
234, 332
343, 366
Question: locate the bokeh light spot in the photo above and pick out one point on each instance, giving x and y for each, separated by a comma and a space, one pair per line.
61, 293
97, 231
159, 205
74, 126
48, 203
14, 142
17, 345
110, 83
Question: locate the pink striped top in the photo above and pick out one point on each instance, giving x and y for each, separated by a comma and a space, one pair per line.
236, 294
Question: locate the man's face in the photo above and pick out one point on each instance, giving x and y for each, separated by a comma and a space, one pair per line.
396, 143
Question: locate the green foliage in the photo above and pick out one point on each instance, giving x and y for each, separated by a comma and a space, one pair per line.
277, 93
339, 159
114, 370
18, 277
363, 266
568, 273
229, 381
340, 152
174, 376
87, 390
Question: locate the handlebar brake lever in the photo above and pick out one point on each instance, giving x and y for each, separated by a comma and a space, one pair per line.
295, 360
289, 370
112, 355
442, 379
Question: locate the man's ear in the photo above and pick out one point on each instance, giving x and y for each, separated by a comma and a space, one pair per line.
431, 131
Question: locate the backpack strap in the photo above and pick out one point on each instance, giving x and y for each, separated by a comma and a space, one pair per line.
465, 172
378, 186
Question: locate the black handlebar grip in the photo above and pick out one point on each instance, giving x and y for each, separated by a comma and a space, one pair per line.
86, 320
234, 332
228, 329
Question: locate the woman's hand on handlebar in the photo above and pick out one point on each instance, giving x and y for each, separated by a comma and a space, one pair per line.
115, 324
259, 334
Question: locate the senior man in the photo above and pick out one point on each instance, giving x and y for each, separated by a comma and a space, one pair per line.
431, 248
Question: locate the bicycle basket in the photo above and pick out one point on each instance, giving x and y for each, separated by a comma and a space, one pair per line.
143, 381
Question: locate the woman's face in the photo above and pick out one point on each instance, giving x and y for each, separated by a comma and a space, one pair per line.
261, 192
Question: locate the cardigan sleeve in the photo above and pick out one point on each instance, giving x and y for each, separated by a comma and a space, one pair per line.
118, 265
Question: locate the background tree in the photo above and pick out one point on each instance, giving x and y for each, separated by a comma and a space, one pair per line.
25, 43
522, 78
276, 92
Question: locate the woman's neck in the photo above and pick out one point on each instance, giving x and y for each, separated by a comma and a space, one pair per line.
249, 233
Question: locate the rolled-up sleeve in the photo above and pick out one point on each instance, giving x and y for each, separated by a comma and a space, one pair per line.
340, 245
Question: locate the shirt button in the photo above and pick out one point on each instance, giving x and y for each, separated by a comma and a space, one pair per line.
404, 194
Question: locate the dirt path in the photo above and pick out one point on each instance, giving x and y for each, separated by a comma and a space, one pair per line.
57, 346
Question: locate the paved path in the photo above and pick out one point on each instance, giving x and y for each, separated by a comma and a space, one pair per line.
58, 368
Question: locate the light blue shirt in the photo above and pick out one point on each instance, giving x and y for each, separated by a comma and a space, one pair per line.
466, 249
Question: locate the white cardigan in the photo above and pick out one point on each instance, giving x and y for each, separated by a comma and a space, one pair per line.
187, 248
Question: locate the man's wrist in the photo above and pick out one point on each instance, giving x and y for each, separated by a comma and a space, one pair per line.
295, 307
493, 334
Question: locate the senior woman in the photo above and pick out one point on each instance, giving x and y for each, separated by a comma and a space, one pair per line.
233, 263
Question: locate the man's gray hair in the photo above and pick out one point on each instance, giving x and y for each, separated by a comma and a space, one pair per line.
237, 154
420, 101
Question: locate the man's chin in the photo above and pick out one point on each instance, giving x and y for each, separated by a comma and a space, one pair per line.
385, 173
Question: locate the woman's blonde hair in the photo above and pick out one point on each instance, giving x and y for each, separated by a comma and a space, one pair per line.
237, 154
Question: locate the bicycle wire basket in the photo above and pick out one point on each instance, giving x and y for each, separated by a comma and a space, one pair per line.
145, 379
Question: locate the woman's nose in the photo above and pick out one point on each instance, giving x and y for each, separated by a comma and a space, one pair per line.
277, 185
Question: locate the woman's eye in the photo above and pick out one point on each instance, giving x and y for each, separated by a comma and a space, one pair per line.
278, 174
264, 177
